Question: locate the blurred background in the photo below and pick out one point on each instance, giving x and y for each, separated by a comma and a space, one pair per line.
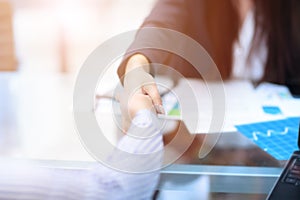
43, 44
58, 35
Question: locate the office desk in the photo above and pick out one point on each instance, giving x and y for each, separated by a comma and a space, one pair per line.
36, 123
228, 172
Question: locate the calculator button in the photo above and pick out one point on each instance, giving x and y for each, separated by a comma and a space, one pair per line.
297, 161
291, 180
292, 176
295, 171
296, 167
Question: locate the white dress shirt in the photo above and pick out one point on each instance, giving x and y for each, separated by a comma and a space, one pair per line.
143, 143
246, 66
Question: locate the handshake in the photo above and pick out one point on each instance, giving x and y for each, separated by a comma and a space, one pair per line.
140, 90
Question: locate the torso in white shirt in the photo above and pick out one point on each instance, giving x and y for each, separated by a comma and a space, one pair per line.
245, 67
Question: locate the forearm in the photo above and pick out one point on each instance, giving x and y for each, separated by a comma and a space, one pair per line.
27, 180
136, 162
136, 61
131, 62
108, 180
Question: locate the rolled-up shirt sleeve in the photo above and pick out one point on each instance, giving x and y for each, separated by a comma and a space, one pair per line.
113, 179
135, 164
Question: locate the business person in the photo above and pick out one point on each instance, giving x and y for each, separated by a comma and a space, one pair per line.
257, 40
112, 180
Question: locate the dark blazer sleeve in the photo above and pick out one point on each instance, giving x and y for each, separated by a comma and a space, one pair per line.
170, 14
185, 16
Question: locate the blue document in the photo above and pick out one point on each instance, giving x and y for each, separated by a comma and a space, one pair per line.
278, 138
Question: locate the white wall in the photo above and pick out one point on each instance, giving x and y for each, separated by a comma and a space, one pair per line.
52, 36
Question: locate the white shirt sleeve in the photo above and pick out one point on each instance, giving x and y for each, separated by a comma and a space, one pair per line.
136, 161
117, 179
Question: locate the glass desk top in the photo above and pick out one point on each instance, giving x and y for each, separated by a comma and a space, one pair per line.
36, 123
235, 169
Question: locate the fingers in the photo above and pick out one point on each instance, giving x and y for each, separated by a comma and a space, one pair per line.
138, 80
152, 91
142, 92
125, 124
139, 102
131, 104
123, 99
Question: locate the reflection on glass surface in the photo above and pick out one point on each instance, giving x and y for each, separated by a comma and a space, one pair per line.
36, 122
232, 149
235, 169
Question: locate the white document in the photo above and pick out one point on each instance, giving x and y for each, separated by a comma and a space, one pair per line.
215, 107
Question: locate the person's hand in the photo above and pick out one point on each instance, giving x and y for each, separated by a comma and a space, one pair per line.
138, 102
131, 105
138, 80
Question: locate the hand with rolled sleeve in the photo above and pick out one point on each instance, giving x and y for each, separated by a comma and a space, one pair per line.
137, 78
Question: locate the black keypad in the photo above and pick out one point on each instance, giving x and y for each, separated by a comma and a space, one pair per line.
293, 174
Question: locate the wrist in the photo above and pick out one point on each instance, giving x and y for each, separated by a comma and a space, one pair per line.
137, 61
